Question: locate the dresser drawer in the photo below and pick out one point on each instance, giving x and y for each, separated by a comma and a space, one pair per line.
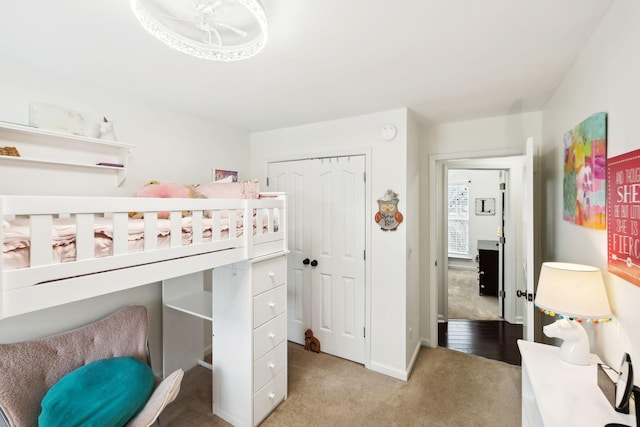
268, 397
269, 365
269, 335
268, 305
268, 274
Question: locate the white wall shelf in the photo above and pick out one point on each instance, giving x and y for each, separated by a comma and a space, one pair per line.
47, 147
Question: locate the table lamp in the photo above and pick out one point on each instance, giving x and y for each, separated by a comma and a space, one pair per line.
575, 294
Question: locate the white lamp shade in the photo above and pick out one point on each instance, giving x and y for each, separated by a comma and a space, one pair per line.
572, 290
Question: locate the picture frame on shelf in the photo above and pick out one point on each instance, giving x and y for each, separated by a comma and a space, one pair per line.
60, 119
223, 175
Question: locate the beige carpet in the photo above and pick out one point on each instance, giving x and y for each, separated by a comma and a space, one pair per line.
446, 388
464, 301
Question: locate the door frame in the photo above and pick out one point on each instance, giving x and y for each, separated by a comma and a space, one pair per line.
366, 152
437, 250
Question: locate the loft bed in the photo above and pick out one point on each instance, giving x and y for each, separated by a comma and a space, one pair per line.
58, 250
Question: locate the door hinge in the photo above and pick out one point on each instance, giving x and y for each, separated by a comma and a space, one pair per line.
364, 332
267, 181
502, 294
503, 186
364, 254
502, 240
364, 176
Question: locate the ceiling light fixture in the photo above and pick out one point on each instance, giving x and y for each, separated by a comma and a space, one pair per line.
220, 30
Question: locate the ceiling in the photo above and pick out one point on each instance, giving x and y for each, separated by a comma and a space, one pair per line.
446, 60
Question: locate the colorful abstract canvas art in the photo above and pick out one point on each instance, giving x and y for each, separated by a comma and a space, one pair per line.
585, 159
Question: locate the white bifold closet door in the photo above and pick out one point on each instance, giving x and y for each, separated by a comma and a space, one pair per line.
325, 267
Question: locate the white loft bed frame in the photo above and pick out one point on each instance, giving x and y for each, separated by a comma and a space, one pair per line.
47, 284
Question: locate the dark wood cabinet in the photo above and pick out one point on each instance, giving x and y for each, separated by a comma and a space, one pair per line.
488, 267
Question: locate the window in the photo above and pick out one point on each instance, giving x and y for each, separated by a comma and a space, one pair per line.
458, 220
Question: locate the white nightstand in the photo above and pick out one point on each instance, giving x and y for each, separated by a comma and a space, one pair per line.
558, 393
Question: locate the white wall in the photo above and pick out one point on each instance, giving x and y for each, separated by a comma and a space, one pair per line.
387, 252
170, 147
605, 77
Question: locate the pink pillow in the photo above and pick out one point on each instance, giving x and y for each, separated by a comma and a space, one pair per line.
165, 191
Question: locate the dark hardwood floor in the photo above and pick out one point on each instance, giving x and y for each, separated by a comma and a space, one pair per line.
494, 339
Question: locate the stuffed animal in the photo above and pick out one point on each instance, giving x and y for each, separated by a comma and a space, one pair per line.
156, 189
310, 342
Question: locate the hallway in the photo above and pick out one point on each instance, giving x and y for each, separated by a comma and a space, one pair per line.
488, 338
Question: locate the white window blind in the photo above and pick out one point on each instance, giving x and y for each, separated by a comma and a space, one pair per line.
458, 209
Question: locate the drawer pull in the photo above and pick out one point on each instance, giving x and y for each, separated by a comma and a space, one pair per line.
272, 274
272, 304
271, 396
272, 365
272, 335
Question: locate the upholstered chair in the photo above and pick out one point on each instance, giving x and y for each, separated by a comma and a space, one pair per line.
28, 370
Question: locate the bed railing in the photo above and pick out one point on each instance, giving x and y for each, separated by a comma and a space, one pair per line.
195, 236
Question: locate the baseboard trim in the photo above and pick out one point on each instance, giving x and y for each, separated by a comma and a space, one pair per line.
414, 357
426, 342
389, 371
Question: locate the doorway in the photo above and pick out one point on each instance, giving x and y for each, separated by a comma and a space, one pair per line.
511, 259
475, 224
326, 263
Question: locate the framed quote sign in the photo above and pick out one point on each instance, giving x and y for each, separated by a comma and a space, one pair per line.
623, 216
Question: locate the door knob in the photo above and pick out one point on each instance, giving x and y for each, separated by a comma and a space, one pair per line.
314, 263
306, 261
521, 294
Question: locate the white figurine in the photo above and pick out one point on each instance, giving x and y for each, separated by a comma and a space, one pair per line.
106, 130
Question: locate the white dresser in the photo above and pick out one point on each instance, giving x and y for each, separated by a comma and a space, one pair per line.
249, 339
237, 312
558, 393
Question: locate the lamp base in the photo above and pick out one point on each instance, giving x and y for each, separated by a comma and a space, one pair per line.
575, 346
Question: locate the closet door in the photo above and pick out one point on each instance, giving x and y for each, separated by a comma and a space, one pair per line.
338, 243
294, 178
326, 266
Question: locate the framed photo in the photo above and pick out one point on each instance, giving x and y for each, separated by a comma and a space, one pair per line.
225, 175
486, 206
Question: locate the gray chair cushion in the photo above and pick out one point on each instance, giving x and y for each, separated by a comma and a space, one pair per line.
30, 368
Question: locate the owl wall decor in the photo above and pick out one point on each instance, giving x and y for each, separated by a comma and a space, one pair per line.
388, 216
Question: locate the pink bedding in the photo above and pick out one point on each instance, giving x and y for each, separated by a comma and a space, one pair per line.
63, 238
